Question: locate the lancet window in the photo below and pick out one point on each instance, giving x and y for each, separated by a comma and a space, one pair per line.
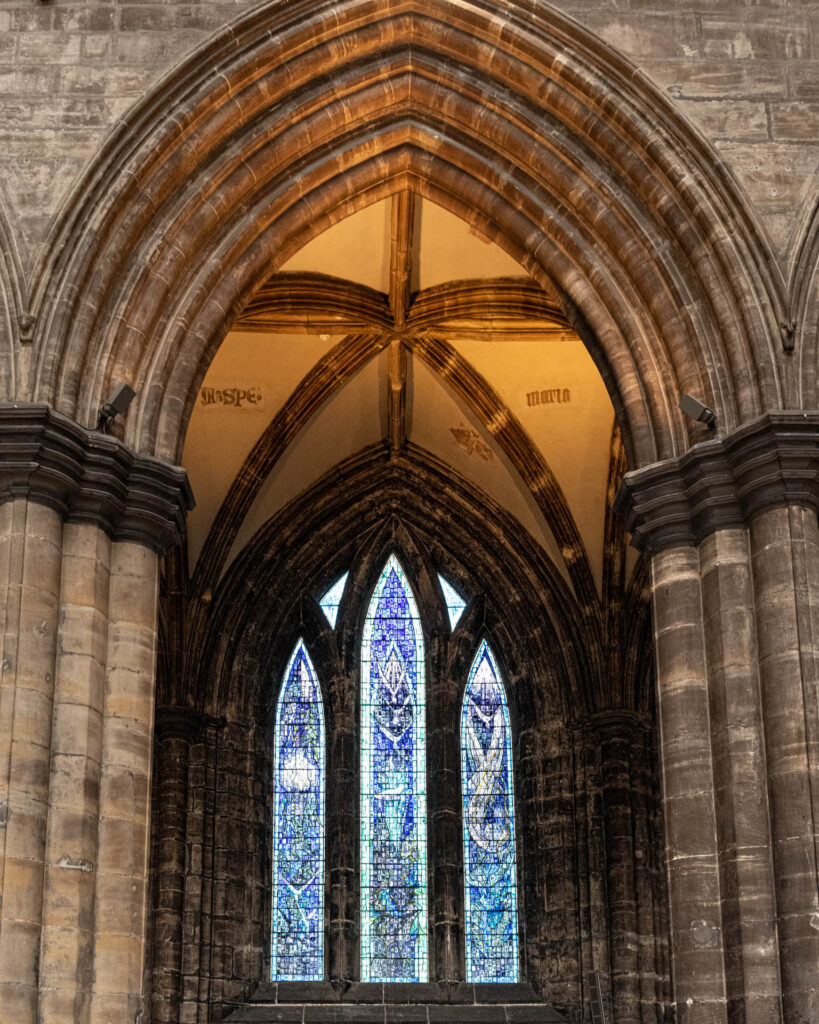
393, 827
298, 826
490, 871
393, 786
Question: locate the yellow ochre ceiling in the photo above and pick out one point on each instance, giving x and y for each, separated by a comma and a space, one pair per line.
534, 366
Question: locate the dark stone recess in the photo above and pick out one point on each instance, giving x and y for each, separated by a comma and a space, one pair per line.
722, 483
589, 834
48, 458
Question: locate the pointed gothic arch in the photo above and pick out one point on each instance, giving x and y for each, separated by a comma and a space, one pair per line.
541, 137
12, 303
297, 944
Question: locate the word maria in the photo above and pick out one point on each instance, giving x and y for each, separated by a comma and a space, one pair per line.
561, 396
238, 398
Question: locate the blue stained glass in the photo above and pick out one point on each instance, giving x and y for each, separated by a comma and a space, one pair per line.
490, 877
332, 599
298, 826
393, 786
455, 604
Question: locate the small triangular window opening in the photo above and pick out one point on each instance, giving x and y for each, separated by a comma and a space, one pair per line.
332, 599
455, 604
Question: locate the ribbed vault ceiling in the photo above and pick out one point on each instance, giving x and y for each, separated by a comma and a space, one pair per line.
401, 325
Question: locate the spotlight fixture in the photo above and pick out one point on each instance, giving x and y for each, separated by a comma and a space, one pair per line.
121, 397
694, 408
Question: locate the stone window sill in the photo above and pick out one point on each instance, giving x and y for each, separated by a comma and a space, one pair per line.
327, 1003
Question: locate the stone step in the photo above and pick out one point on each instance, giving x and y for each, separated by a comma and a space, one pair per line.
383, 1013
429, 1003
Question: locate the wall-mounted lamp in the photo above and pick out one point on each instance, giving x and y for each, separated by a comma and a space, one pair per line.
121, 398
694, 408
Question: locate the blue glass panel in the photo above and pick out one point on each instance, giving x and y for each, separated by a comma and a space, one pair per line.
490, 878
393, 786
332, 599
298, 826
455, 604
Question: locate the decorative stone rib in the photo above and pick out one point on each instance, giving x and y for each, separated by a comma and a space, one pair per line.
90, 477
723, 483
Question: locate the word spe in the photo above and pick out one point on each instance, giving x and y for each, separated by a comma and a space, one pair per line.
549, 395
235, 397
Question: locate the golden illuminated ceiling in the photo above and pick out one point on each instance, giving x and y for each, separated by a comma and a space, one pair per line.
400, 324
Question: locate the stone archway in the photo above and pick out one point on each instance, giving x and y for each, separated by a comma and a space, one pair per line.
546, 141
538, 135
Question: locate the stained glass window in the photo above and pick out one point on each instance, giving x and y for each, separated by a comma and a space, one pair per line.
455, 604
332, 599
298, 826
490, 881
393, 786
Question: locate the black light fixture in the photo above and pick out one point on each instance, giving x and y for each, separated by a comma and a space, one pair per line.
694, 408
121, 398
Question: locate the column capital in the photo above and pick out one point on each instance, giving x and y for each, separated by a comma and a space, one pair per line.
771, 462
48, 458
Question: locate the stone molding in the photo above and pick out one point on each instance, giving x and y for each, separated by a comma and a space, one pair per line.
173, 721
724, 483
616, 723
90, 477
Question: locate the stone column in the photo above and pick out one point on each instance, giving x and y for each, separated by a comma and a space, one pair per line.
127, 725
30, 554
785, 547
736, 626
175, 729
76, 715
590, 869
743, 826
616, 733
76, 754
649, 882
692, 848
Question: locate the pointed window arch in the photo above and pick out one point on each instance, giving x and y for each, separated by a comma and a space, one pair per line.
330, 600
393, 785
455, 604
298, 826
490, 872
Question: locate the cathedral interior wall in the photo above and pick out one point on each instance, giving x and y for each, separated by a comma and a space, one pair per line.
744, 74
666, 718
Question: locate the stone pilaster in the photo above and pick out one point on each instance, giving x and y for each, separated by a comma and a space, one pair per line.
66, 953
785, 549
30, 559
618, 739
81, 522
176, 728
692, 845
732, 530
127, 727
743, 825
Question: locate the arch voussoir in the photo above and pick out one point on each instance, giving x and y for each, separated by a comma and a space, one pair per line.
538, 135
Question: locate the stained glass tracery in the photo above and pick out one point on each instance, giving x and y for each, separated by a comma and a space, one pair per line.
330, 601
298, 826
455, 604
490, 878
393, 785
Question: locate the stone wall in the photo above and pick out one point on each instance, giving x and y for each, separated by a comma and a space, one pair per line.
592, 884
746, 74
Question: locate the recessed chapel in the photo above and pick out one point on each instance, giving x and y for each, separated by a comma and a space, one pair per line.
409, 473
